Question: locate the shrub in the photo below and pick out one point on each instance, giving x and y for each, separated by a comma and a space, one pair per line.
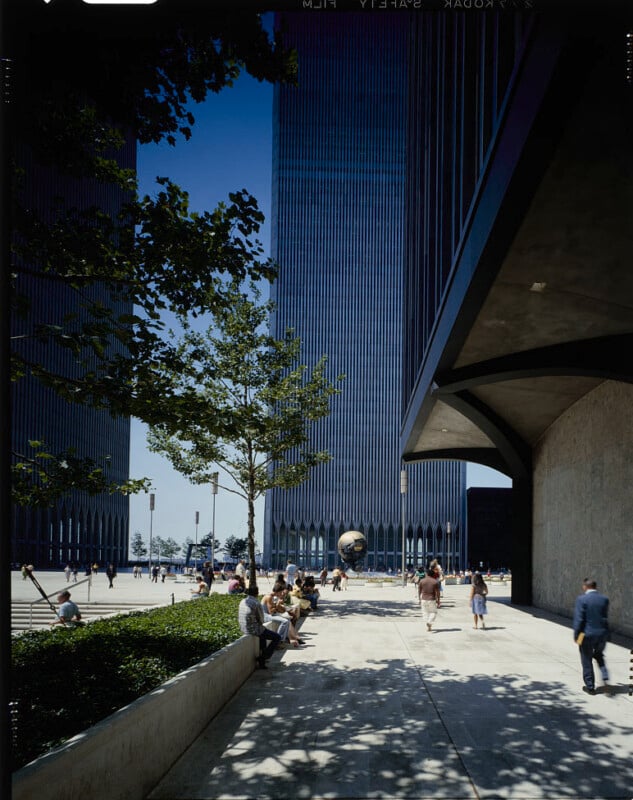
65, 680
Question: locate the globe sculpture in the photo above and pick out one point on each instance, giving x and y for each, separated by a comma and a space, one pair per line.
352, 547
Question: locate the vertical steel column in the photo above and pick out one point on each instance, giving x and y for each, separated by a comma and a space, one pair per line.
404, 485
151, 515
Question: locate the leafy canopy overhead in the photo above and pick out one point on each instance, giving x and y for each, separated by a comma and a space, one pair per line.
171, 260
145, 74
85, 86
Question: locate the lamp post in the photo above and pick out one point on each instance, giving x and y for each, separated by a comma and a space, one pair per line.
195, 559
151, 515
214, 491
404, 481
448, 546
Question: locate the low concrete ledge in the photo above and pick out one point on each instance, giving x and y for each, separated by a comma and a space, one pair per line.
125, 755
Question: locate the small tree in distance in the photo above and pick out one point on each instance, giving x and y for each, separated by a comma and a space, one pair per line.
170, 548
185, 546
235, 547
256, 405
137, 545
208, 541
157, 547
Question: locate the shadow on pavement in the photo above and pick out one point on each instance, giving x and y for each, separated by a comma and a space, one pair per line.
395, 730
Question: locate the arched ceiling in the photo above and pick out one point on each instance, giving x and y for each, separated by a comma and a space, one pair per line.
557, 319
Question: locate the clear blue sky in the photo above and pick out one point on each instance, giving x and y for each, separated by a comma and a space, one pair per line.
231, 148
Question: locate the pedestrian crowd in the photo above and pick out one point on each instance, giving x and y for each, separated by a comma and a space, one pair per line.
274, 617
429, 589
590, 621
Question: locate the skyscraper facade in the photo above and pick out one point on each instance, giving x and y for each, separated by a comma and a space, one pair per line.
339, 169
77, 528
519, 289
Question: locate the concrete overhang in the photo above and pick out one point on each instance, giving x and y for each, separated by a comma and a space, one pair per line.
556, 318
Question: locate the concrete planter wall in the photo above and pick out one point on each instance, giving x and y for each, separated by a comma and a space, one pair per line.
125, 755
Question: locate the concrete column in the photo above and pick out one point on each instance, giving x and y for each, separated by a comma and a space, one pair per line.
522, 540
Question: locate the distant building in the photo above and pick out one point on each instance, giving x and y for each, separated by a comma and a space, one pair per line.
78, 529
519, 287
489, 528
339, 170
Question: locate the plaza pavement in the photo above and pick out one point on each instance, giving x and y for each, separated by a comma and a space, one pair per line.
374, 706
127, 589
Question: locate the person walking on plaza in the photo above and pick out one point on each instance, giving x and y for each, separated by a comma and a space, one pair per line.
323, 576
435, 568
591, 633
67, 572
111, 573
291, 574
251, 621
419, 573
336, 579
207, 574
429, 594
240, 569
478, 593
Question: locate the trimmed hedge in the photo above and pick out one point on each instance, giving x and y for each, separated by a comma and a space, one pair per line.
64, 681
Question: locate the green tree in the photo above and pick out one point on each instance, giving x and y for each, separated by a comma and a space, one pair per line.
170, 548
157, 547
137, 545
236, 547
170, 262
209, 541
38, 477
148, 81
256, 405
185, 546
155, 255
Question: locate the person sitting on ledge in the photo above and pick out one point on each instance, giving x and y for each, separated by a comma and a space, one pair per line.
201, 590
311, 591
251, 621
275, 611
306, 599
236, 585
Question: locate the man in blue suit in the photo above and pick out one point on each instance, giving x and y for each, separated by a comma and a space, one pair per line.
592, 626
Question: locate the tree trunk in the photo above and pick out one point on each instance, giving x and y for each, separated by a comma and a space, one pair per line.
252, 572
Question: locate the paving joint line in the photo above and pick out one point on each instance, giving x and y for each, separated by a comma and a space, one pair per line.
418, 670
